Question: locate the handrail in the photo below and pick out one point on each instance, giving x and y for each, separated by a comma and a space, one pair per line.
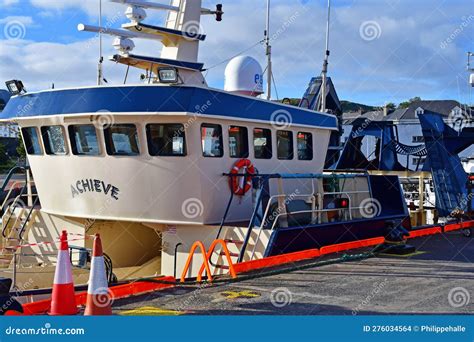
23, 227
227, 255
264, 218
266, 177
334, 175
9, 176
4, 228
190, 257
7, 197
252, 220
312, 211
225, 214
313, 197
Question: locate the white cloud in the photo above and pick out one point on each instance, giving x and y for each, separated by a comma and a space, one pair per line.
90, 7
20, 19
405, 61
9, 2
66, 65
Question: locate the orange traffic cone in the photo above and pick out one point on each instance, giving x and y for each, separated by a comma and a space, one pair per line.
63, 301
99, 300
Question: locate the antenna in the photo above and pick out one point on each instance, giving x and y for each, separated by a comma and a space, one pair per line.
101, 58
325, 63
470, 70
269, 54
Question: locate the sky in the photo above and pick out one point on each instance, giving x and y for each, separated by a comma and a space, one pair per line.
381, 50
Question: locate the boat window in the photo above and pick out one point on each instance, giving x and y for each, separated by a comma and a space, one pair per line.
121, 140
238, 142
211, 138
53, 139
262, 143
84, 140
305, 146
285, 145
31, 139
166, 140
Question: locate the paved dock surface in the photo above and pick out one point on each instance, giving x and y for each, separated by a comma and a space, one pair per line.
439, 279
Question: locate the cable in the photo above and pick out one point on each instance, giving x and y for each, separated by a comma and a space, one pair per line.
240, 53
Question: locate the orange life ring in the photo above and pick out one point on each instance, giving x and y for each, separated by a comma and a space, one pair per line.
241, 166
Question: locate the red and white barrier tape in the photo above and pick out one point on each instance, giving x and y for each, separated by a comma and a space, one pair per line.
43, 243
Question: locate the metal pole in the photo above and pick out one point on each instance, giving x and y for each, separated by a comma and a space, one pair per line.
101, 59
14, 287
176, 257
269, 54
325, 63
470, 69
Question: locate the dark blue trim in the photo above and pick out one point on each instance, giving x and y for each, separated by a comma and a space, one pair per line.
140, 99
190, 35
154, 60
295, 239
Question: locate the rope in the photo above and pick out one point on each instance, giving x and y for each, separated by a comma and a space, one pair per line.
344, 258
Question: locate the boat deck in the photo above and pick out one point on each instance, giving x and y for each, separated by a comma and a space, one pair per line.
438, 279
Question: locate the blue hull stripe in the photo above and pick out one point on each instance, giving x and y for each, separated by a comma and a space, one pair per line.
140, 99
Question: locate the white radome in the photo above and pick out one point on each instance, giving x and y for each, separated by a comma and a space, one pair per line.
244, 75
471, 80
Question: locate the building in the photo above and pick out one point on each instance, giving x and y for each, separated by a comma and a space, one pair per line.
7, 130
9, 133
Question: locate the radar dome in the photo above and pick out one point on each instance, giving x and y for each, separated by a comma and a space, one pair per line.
471, 80
243, 75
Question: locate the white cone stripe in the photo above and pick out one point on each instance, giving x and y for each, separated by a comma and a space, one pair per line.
63, 273
98, 278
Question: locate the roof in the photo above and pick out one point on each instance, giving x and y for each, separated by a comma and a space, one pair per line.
157, 99
376, 115
349, 117
442, 107
397, 114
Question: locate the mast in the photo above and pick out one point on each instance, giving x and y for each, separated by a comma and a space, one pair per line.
325, 63
101, 58
470, 70
268, 53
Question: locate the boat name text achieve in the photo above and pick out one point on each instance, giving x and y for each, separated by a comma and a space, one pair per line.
94, 185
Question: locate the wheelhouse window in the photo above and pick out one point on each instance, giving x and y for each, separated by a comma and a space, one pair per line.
262, 143
53, 139
166, 140
121, 140
84, 140
305, 146
211, 138
285, 145
31, 139
238, 142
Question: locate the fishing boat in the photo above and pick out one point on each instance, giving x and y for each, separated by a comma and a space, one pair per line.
159, 165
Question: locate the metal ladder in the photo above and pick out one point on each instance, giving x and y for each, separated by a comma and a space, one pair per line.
177, 22
13, 233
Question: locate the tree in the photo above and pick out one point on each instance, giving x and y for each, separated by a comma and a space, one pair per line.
407, 104
20, 149
3, 155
